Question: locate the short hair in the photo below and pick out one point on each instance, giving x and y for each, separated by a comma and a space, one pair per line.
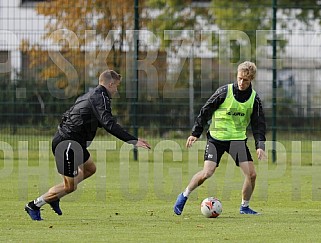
108, 76
248, 68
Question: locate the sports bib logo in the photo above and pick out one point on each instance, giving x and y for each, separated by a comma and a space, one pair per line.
235, 113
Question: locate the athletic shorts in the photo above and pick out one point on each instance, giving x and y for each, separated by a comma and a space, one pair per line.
69, 154
236, 148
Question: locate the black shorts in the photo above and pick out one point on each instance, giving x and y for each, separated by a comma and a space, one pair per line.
69, 154
237, 149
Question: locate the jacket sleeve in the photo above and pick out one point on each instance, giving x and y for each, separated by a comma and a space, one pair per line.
102, 110
258, 124
208, 109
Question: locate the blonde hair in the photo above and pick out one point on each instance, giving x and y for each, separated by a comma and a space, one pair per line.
248, 68
109, 76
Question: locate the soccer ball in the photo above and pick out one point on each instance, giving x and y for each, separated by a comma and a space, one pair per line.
211, 207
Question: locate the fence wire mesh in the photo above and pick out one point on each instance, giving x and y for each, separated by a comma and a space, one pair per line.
52, 51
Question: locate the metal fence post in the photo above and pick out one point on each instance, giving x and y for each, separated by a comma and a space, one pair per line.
136, 47
274, 82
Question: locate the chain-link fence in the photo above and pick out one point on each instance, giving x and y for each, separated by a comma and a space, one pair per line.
172, 55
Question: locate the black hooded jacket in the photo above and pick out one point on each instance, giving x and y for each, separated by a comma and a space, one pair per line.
258, 124
90, 111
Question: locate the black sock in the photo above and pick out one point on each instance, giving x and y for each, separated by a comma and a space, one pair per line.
33, 206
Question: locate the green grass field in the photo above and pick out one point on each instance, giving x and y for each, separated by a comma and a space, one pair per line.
132, 201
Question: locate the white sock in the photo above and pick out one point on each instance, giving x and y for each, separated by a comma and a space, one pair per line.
39, 202
186, 192
245, 203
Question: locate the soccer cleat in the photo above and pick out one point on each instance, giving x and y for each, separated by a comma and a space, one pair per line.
55, 207
247, 210
180, 203
33, 213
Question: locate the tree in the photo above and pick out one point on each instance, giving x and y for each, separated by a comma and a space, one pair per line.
250, 16
82, 38
76, 26
243, 15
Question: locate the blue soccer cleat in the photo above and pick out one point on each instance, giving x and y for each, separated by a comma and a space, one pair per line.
33, 213
247, 210
180, 203
55, 207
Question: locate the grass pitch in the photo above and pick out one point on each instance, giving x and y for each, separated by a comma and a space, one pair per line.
132, 201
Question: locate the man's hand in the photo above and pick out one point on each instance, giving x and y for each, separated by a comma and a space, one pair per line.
143, 144
190, 141
261, 154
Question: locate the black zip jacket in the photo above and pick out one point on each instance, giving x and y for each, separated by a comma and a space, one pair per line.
90, 111
258, 124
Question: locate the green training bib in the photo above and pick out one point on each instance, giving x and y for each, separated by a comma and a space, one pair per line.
230, 120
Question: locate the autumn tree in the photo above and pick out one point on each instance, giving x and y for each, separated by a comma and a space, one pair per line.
81, 39
84, 37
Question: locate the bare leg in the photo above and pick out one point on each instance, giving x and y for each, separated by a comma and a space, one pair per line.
197, 180
249, 180
70, 184
201, 176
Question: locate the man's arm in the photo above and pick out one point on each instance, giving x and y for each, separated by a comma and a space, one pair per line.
208, 109
102, 110
258, 124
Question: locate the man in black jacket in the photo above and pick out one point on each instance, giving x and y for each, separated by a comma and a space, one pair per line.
231, 109
75, 133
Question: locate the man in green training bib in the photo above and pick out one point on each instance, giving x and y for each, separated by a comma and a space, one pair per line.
231, 109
